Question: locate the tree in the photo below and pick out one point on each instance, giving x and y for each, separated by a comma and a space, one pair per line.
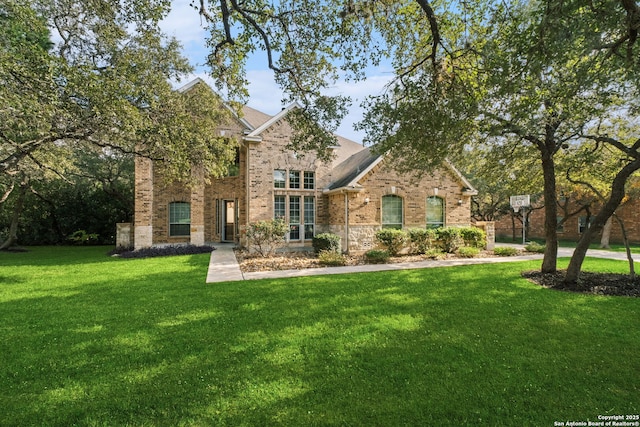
105, 85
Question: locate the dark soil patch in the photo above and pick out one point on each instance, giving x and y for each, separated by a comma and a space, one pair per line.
589, 283
164, 251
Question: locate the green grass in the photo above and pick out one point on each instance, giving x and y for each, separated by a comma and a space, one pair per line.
90, 340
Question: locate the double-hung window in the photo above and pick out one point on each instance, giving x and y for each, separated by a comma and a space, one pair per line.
392, 212
179, 219
435, 212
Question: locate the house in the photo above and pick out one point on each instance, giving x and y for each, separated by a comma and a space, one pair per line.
574, 217
353, 195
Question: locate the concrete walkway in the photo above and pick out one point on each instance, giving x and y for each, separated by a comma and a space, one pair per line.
223, 266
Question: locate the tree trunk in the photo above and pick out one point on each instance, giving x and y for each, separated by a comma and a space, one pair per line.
617, 194
12, 238
625, 239
549, 262
606, 234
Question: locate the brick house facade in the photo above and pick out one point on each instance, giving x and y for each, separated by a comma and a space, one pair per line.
353, 195
572, 225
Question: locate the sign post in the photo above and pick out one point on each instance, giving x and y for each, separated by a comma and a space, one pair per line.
521, 202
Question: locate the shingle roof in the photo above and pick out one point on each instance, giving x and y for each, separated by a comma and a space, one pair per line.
254, 117
347, 171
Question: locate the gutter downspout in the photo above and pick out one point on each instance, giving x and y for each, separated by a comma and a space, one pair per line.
346, 220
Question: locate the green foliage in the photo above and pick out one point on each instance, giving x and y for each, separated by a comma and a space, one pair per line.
422, 239
327, 242
535, 247
435, 253
468, 251
331, 258
505, 251
392, 240
81, 237
265, 237
376, 256
450, 239
474, 237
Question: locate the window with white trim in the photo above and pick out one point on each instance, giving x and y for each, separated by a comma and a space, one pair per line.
435, 212
309, 216
392, 208
179, 219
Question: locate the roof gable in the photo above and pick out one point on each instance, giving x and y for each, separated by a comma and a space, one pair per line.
349, 173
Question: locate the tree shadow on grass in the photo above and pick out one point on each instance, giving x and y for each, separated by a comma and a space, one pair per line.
422, 347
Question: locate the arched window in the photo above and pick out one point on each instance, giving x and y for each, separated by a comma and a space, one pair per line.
435, 212
392, 212
179, 219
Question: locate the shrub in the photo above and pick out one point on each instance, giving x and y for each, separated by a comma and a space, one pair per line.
451, 239
434, 253
468, 251
505, 251
266, 236
474, 237
331, 258
326, 242
422, 239
392, 240
535, 247
376, 256
81, 237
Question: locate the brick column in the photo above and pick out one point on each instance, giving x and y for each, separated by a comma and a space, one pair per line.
143, 207
197, 210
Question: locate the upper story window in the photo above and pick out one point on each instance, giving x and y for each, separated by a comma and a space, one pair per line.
435, 212
392, 212
279, 178
234, 169
294, 179
309, 180
179, 219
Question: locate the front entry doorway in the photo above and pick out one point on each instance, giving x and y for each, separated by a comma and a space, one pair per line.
229, 221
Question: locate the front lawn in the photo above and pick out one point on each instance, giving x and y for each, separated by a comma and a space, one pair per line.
90, 340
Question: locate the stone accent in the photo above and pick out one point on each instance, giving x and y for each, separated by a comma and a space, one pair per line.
489, 228
124, 235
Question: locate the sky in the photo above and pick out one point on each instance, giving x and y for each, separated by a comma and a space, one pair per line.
185, 25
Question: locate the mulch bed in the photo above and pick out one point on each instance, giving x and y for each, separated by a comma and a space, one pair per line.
250, 263
589, 283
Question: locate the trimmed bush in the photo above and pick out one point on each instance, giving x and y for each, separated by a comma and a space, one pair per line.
505, 251
392, 240
376, 256
468, 252
451, 239
474, 237
422, 239
435, 253
535, 247
331, 258
327, 242
266, 236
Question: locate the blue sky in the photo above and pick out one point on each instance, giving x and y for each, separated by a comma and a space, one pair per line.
185, 24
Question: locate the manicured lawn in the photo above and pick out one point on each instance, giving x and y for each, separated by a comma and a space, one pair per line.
90, 340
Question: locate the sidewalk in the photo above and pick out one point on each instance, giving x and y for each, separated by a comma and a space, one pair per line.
223, 266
